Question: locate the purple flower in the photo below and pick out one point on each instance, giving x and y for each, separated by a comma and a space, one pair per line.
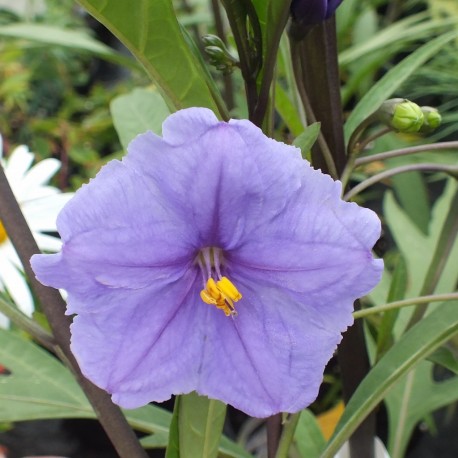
212, 259
309, 12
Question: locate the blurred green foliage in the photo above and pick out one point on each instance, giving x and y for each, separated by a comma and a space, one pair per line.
56, 99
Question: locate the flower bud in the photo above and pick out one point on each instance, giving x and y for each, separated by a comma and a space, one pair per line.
402, 115
307, 13
432, 120
310, 12
219, 55
213, 40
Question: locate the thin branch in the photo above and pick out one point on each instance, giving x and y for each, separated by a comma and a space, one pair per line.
405, 303
237, 14
27, 324
273, 434
110, 416
379, 133
269, 64
287, 435
428, 167
405, 151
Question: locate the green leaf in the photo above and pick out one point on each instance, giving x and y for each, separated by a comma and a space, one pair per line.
149, 419
308, 437
158, 440
445, 358
410, 188
39, 385
151, 32
414, 397
229, 449
47, 34
411, 28
287, 111
390, 82
173, 447
396, 293
137, 112
271, 20
412, 193
200, 425
414, 346
306, 140
418, 248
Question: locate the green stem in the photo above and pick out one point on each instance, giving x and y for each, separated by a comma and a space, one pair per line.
250, 51
405, 151
354, 149
405, 303
429, 167
269, 63
27, 324
289, 428
380, 133
353, 144
110, 416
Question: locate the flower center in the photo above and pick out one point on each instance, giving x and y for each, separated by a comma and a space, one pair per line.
3, 235
221, 292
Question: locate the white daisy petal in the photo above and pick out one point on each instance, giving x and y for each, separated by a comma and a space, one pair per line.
48, 242
8, 253
39, 175
16, 286
39, 193
18, 164
40, 204
41, 214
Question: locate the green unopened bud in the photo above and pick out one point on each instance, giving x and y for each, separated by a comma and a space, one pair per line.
432, 121
215, 53
402, 115
219, 55
213, 40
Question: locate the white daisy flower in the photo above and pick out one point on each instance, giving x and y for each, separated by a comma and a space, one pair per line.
40, 204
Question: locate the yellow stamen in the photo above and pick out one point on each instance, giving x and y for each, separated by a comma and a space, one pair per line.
221, 294
3, 234
228, 289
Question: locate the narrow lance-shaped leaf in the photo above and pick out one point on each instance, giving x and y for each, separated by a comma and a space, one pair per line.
306, 139
414, 346
78, 40
390, 82
413, 398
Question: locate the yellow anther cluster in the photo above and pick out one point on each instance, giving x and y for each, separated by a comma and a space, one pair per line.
3, 235
222, 294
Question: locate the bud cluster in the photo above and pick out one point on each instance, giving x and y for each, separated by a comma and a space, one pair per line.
405, 116
218, 54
